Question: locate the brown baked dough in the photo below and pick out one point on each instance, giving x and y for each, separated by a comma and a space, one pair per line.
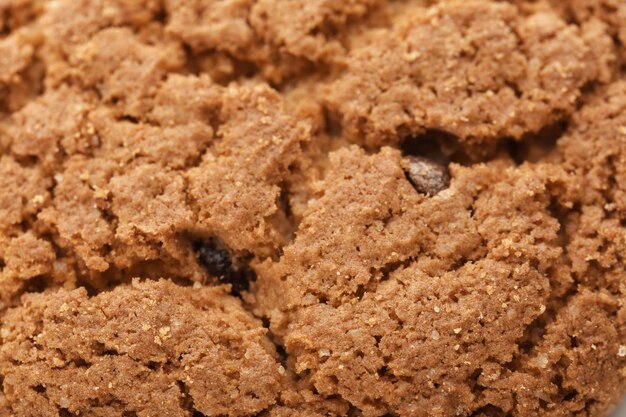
318, 208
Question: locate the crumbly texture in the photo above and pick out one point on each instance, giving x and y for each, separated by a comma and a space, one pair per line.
189, 347
460, 280
476, 69
314, 208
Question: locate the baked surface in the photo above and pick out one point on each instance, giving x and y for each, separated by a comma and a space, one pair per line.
312, 207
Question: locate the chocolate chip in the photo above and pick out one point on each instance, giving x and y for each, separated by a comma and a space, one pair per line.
219, 262
216, 260
427, 176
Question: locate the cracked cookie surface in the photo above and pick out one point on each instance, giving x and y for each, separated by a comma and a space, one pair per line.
314, 208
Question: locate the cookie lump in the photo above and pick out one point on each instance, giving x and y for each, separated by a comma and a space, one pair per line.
174, 133
21, 68
22, 191
17, 54
116, 47
389, 275
118, 224
131, 195
25, 256
187, 99
280, 38
306, 29
76, 212
69, 23
125, 70
576, 369
237, 184
211, 25
610, 12
500, 74
101, 165
148, 202
593, 151
17, 13
78, 20
148, 348
27, 263
305, 403
367, 196
21, 71
53, 126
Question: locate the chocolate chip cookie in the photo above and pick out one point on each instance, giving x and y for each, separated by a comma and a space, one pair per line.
313, 208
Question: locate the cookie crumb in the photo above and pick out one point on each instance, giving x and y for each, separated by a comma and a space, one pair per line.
542, 361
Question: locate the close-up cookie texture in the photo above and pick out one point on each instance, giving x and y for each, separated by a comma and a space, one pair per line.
312, 208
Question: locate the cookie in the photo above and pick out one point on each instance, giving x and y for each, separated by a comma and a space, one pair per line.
592, 151
284, 39
500, 74
313, 208
191, 348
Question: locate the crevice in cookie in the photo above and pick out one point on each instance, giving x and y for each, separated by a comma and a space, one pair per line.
114, 276
332, 123
36, 284
26, 161
186, 400
284, 220
64, 412
161, 16
536, 147
444, 148
280, 348
489, 411
13, 17
565, 394
101, 349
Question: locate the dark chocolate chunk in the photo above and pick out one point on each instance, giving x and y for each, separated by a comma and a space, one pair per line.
427, 176
219, 263
216, 260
